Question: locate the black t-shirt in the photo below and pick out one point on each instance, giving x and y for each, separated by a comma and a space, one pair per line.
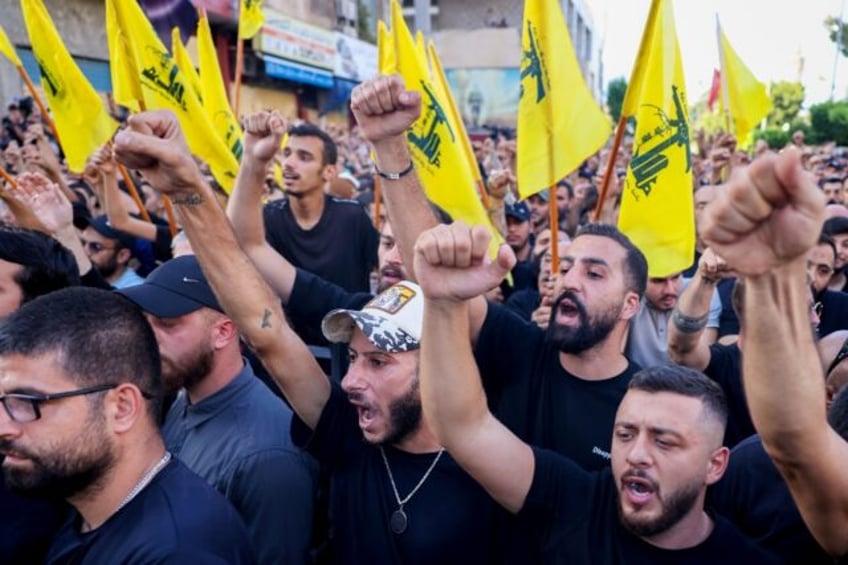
728, 321
26, 526
530, 392
177, 519
450, 518
725, 368
312, 297
753, 495
341, 247
524, 302
574, 515
834, 314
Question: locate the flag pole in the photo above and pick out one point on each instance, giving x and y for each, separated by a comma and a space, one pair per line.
44, 114
8, 178
125, 174
723, 83
619, 134
553, 213
239, 65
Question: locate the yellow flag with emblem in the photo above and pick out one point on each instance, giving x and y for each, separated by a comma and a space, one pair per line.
559, 122
81, 118
251, 18
434, 141
742, 95
657, 211
443, 88
8, 50
163, 87
386, 59
184, 62
215, 101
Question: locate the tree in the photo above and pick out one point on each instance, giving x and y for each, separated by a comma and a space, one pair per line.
616, 89
838, 32
786, 100
829, 122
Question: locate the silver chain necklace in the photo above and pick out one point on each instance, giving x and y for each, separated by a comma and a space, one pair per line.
398, 520
139, 486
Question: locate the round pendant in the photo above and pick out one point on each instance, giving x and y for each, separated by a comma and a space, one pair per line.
398, 521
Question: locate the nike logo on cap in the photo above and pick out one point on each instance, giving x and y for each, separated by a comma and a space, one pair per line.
188, 280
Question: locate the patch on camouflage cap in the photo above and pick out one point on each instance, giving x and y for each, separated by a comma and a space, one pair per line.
391, 321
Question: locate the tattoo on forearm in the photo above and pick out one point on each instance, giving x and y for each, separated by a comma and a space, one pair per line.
266, 319
187, 200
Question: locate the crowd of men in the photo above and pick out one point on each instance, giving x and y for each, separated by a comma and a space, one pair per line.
290, 378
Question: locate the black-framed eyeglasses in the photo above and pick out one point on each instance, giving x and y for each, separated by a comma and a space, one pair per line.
24, 407
840, 357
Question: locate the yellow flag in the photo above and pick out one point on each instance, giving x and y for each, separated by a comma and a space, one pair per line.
215, 101
78, 111
443, 89
251, 18
7, 49
185, 64
126, 83
164, 87
657, 212
747, 98
559, 122
386, 60
434, 142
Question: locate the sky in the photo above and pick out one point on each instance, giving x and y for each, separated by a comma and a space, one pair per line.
769, 35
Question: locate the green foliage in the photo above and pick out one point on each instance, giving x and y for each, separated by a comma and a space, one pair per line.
363, 27
834, 27
701, 118
616, 89
829, 122
786, 100
775, 137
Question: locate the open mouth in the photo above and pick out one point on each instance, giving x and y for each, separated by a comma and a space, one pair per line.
639, 491
567, 311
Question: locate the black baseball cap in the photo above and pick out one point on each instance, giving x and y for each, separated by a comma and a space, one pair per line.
175, 288
519, 211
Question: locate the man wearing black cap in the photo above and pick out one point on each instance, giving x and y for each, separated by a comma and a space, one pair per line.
225, 425
518, 230
396, 496
110, 251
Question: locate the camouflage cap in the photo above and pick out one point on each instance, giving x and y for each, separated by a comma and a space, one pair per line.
391, 321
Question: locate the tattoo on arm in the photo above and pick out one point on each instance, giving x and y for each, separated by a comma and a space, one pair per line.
187, 200
266, 319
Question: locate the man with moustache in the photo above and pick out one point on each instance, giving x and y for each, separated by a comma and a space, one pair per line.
225, 424
330, 237
666, 447
306, 295
389, 491
545, 385
81, 391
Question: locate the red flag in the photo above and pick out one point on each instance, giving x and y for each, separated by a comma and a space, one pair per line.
714, 89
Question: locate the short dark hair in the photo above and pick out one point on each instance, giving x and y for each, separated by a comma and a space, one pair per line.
835, 226
837, 416
46, 264
99, 337
825, 239
635, 264
686, 382
830, 180
331, 154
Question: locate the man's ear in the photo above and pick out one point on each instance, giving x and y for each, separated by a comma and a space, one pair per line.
124, 256
329, 172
